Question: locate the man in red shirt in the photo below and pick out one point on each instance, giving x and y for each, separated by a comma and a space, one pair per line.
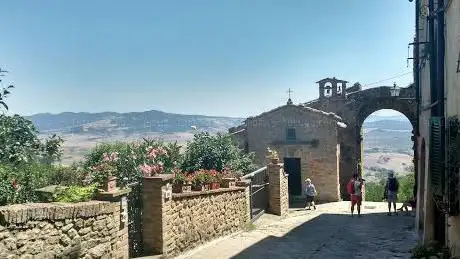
354, 188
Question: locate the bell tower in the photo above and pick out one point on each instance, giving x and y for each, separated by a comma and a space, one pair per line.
332, 88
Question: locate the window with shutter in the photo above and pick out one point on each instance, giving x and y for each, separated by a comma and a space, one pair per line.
453, 165
290, 135
437, 155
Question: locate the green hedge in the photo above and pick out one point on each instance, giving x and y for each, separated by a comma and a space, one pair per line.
375, 190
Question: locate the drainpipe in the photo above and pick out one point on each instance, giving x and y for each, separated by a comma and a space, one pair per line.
440, 73
416, 66
432, 48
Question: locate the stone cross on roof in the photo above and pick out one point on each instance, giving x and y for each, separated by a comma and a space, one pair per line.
289, 92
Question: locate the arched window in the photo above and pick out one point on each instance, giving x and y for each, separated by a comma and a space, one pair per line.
328, 89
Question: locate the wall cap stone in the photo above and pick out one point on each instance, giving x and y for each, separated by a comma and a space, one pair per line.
160, 177
210, 192
21, 213
113, 194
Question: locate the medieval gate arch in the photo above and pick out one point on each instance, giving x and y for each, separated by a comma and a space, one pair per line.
354, 105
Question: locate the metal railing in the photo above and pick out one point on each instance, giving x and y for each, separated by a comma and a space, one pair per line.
259, 191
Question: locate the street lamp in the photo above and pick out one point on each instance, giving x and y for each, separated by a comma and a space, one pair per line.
394, 91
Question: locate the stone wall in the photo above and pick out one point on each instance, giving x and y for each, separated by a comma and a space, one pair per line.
173, 223
61, 230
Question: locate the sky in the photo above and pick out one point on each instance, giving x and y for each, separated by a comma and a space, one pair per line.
212, 57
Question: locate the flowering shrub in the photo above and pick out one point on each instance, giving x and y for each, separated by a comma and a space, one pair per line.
106, 168
215, 177
182, 178
201, 177
154, 161
136, 160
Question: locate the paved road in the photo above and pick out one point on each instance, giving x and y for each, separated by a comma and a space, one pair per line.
329, 232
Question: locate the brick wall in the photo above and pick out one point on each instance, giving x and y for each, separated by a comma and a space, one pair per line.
173, 223
63, 230
278, 200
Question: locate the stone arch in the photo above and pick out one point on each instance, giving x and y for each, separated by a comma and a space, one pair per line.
354, 109
372, 105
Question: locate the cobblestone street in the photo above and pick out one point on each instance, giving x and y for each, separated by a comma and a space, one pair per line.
328, 232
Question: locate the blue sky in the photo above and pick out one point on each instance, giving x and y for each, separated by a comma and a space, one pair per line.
211, 57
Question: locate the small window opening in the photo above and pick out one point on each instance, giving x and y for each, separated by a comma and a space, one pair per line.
290, 134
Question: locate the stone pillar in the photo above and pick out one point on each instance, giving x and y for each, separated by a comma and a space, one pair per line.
118, 198
278, 200
247, 192
156, 199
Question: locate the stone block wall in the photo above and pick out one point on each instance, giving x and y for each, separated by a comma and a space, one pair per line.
174, 223
63, 230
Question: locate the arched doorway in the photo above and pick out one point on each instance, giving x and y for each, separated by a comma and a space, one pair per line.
387, 147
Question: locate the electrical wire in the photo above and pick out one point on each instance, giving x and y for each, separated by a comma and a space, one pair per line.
383, 80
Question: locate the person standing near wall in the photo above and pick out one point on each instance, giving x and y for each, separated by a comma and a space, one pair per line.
354, 188
391, 192
310, 194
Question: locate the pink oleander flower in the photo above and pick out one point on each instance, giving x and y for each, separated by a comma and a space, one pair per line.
146, 170
106, 157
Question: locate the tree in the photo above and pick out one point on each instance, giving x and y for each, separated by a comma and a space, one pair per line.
4, 91
216, 152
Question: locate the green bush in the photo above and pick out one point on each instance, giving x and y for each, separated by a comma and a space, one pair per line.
375, 190
18, 182
75, 193
216, 152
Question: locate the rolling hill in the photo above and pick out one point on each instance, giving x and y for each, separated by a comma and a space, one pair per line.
384, 137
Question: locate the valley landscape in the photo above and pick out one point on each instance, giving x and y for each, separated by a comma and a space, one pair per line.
387, 140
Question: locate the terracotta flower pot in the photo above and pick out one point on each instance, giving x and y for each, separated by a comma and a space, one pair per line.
181, 188
200, 187
228, 182
110, 184
215, 186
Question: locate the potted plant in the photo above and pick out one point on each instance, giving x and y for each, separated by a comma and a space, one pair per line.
181, 183
215, 179
201, 181
228, 179
273, 156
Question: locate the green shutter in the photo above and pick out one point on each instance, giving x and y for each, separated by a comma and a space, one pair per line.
453, 165
437, 155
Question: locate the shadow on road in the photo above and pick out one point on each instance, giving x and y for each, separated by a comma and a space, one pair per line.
340, 236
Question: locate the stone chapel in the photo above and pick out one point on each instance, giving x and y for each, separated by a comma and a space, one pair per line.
307, 141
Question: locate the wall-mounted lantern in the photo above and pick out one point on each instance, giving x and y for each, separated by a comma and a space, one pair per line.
394, 91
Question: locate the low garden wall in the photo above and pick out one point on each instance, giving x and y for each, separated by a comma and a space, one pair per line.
176, 222
91, 229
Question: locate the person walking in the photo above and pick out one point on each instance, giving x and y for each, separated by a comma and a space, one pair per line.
391, 192
310, 194
354, 188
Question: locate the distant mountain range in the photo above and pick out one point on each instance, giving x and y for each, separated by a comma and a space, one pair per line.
127, 123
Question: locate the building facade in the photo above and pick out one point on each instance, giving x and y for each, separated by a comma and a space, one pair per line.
437, 79
307, 142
